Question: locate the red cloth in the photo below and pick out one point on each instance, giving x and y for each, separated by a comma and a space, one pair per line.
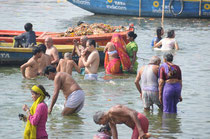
144, 125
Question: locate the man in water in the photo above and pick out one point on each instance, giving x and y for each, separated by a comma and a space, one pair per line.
74, 95
67, 64
27, 38
44, 60
120, 114
148, 89
30, 69
79, 49
93, 61
52, 51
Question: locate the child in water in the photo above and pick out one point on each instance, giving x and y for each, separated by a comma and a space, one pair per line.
104, 133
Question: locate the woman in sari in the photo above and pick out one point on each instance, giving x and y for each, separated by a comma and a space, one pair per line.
37, 114
170, 84
116, 56
132, 49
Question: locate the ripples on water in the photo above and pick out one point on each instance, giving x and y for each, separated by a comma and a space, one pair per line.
192, 120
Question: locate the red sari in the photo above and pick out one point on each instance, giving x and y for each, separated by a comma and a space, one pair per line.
113, 66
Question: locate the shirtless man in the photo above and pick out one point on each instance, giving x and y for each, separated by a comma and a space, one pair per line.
44, 60
120, 114
30, 69
148, 74
67, 64
79, 49
52, 51
92, 63
72, 92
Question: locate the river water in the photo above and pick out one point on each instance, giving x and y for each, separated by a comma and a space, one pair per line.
193, 118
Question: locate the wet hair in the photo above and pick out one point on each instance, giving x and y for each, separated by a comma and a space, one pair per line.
67, 55
159, 31
168, 57
132, 34
49, 69
42, 47
28, 26
170, 34
91, 42
97, 116
36, 50
105, 128
154, 60
44, 91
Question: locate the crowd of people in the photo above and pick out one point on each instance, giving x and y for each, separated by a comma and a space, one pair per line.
157, 84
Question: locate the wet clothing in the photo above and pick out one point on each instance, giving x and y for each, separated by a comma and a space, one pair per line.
113, 66
171, 95
25, 39
144, 122
168, 44
91, 76
130, 48
39, 120
149, 86
155, 39
171, 91
76, 100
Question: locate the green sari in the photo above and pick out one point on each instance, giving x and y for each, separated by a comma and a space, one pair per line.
130, 48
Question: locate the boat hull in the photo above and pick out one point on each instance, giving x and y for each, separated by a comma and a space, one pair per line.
18, 56
147, 8
101, 39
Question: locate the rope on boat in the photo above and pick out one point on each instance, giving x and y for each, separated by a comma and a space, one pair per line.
172, 11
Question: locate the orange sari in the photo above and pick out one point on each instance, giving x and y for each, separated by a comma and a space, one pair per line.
114, 65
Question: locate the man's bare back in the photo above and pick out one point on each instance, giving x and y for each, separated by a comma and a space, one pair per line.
44, 61
66, 83
30, 68
67, 66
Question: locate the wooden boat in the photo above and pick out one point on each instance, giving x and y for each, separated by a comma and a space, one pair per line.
101, 39
147, 8
18, 56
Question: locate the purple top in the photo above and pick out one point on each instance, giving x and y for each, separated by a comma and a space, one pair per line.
39, 119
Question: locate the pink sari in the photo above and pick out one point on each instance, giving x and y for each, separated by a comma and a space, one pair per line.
114, 65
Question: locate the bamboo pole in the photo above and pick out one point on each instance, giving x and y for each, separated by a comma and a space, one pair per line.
163, 11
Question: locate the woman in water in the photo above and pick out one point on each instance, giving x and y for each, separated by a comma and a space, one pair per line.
158, 37
168, 43
132, 49
37, 114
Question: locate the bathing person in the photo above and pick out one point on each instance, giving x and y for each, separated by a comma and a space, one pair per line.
115, 56
132, 49
170, 84
27, 38
67, 64
148, 89
44, 60
74, 95
120, 114
168, 43
79, 49
104, 133
158, 37
52, 51
37, 114
30, 69
93, 61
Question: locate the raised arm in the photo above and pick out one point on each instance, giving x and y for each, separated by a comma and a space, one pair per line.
57, 85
